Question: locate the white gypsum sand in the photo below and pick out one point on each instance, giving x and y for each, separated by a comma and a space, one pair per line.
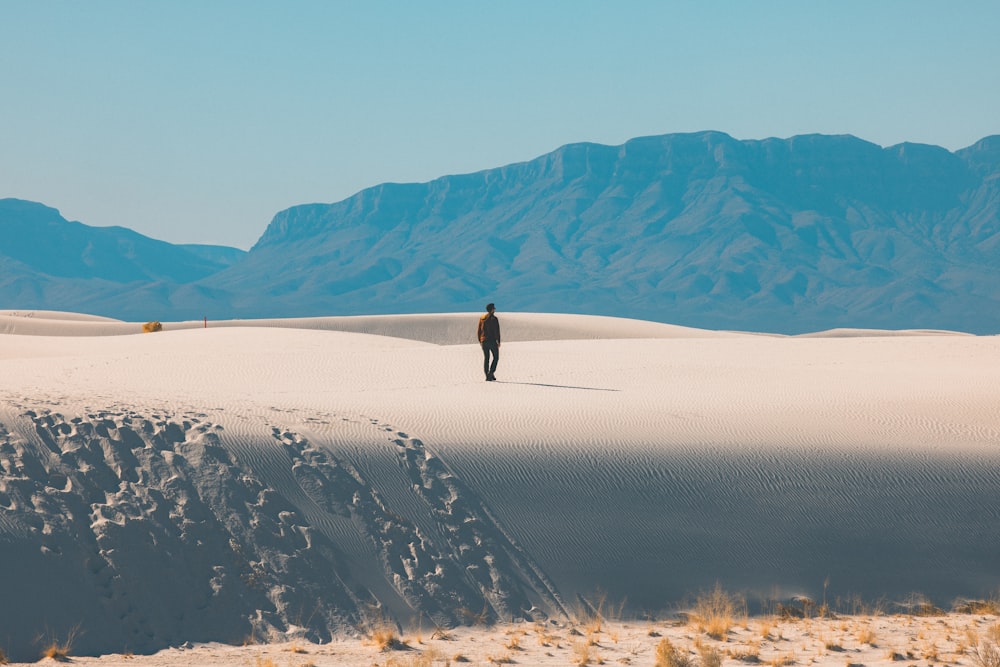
952, 639
280, 479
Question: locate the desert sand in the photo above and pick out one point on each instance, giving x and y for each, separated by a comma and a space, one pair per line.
299, 480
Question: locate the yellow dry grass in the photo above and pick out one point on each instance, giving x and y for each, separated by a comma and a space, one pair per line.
717, 611
668, 655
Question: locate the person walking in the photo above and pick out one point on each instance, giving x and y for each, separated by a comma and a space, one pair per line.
489, 339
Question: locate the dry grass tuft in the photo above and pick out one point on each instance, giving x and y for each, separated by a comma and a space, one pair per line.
295, 648
583, 654
710, 656
831, 645
546, 638
3, 657
989, 607
986, 654
56, 651
918, 605
931, 653
969, 641
782, 660
866, 636
668, 655
717, 611
386, 639
264, 662
749, 655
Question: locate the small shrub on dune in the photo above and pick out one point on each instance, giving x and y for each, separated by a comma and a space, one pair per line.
866, 636
668, 655
716, 612
382, 633
749, 655
988, 607
57, 652
710, 656
150, 327
385, 638
783, 660
986, 654
583, 654
3, 657
54, 648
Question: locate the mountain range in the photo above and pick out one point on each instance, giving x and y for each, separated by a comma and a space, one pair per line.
782, 235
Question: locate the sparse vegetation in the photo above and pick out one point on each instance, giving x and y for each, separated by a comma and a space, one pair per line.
986, 654
988, 607
584, 654
907, 639
717, 611
710, 656
749, 655
783, 660
385, 638
546, 638
382, 633
668, 655
831, 645
57, 651
866, 636
3, 657
295, 648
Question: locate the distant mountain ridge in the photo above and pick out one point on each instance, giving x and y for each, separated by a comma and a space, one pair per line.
785, 235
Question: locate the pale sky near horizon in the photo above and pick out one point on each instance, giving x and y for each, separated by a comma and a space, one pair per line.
195, 121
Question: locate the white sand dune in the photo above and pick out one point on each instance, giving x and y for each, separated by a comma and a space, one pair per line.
263, 477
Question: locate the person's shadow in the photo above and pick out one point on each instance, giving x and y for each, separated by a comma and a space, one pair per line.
556, 386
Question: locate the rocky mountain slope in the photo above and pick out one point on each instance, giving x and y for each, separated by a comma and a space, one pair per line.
808, 233
49, 262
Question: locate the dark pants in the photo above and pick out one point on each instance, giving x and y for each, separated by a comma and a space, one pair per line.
490, 347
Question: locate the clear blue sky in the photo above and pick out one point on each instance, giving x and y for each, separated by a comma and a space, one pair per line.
195, 121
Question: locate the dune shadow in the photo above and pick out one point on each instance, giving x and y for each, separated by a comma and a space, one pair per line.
556, 386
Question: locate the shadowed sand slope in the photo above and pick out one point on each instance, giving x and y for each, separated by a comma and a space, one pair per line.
214, 484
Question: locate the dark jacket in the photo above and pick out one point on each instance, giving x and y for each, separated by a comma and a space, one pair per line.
489, 328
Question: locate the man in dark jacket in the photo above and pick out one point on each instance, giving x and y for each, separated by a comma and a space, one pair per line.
489, 338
